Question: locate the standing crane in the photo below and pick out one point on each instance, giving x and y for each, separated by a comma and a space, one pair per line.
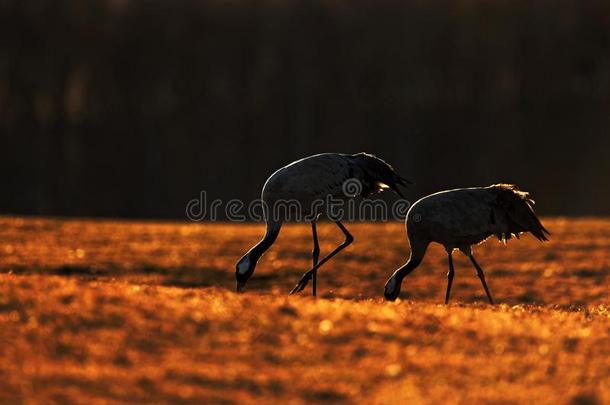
458, 219
310, 182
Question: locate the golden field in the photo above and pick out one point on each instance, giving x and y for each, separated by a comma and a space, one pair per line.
96, 311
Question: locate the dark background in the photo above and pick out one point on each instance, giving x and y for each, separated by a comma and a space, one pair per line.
130, 108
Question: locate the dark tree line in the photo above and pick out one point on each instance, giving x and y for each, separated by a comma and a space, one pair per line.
130, 108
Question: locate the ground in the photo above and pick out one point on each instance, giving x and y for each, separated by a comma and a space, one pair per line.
98, 311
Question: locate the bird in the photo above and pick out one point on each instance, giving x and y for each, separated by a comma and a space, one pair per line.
310, 182
460, 218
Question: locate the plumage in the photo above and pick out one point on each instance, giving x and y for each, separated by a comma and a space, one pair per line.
310, 182
316, 177
460, 218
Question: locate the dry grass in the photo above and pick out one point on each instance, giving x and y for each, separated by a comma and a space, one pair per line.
105, 312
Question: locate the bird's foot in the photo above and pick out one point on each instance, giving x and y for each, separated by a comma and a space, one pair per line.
302, 283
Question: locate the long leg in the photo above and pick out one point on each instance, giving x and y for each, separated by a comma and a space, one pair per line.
481, 276
315, 253
450, 275
307, 275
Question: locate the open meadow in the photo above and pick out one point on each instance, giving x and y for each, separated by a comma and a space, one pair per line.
96, 311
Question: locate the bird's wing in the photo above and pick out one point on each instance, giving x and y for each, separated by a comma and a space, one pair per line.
462, 213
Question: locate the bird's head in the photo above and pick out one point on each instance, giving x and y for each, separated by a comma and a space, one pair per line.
243, 271
381, 174
392, 289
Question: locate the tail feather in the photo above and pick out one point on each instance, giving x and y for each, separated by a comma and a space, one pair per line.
535, 227
519, 208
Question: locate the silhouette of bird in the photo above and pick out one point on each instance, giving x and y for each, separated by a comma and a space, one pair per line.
458, 219
310, 182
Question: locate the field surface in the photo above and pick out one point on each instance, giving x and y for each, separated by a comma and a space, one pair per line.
144, 312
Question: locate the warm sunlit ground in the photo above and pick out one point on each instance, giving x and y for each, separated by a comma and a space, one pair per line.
115, 312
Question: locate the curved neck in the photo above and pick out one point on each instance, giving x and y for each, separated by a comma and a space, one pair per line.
261, 247
407, 268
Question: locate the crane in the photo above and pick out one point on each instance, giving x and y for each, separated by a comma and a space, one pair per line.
460, 218
310, 182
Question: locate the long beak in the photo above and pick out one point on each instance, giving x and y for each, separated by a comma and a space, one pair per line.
240, 287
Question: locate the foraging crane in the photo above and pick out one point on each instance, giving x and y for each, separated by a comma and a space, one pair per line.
310, 182
458, 219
